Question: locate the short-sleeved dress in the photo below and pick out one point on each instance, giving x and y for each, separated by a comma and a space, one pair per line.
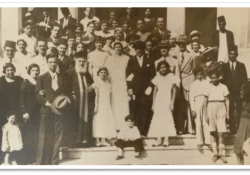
162, 124
104, 122
12, 138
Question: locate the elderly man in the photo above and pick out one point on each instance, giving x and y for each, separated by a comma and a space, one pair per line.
235, 75
186, 64
224, 39
88, 17
77, 86
160, 29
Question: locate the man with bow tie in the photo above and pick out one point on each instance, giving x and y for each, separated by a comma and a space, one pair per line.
140, 72
186, 64
77, 86
48, 87
235, 75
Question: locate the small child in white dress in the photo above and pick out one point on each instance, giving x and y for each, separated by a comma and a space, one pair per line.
103, 122
162, 125
12, 140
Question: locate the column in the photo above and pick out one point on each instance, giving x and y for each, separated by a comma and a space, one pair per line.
11, 22
73, 11
176, 20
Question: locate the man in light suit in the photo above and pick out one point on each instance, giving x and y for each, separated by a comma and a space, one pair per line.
48, 87
140, 72
224, 39
185, 61
235, 75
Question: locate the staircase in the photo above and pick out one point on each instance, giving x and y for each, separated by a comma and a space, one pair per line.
182, 151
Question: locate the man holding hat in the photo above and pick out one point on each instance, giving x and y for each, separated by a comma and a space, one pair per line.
185, 62
173, 63
140, 72
63, 59
77, 86
48, 87
224, 39
235, 75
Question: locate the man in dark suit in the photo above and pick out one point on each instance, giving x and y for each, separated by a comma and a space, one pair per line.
224, 39
67, 21
129, 18
55, 35
46, 23
235, 75
160, 29
140, 72
48, 87
77, 86
63, 59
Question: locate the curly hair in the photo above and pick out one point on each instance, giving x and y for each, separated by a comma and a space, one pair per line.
101, 69
129, 117
31, 67
162, 63
246, 89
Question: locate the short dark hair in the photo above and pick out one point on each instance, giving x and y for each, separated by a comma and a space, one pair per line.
79, 25
51, 55
27, 24
55, 25
7, 65
118, 43
80, 55
162, 63
90, 22
129, 117
214, 72
31, 67
99, 39
101, 69
10, 113
246, 88
198, 70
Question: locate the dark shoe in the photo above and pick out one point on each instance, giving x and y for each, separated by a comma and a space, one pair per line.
138, 157
119, 157
223, 158
165, 145
215, 158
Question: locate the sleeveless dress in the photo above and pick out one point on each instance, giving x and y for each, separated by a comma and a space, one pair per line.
162, 124
104, 122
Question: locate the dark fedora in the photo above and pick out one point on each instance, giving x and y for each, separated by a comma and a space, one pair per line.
61, 104
182, 39
139, 45
194, 33
11, 44
135, 36
165, 44
209, 51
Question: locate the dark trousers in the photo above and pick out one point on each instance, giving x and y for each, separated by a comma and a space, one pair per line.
140, 108
234, 111
137, 144
50, 138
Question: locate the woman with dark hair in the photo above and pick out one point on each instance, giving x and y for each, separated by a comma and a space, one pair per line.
97, 58
9, 95
30, 110
243, 134
162, 125
89, 37
149, 21
117, 65
79, 30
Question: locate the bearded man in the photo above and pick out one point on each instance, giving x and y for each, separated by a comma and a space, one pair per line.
77, 86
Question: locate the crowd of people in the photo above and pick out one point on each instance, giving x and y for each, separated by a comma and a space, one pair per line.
79, 84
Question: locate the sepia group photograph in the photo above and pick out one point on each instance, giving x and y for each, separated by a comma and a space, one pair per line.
111, 86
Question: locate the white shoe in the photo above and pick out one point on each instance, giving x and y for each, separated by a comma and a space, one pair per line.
13, 162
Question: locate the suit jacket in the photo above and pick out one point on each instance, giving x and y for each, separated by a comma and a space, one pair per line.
165, 35
230, 39
186, 69
142, 75
64, 64
234, 82
72, 21
44, 82
42, 29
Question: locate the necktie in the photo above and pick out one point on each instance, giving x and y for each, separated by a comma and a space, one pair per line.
232, 68
182, 57
54, 82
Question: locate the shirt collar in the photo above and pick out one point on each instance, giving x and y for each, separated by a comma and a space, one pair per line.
52, 73
139, 58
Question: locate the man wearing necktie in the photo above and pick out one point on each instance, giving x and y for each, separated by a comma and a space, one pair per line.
46, 23
235, 75
185, 61
77, 86
67, 19
48, 87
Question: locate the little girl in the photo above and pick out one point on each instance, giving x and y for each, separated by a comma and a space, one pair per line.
103, 122
12, 140
162, 125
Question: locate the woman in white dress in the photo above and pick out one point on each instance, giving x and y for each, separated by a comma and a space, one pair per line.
97, 58
103, 122
117, 65
162, 125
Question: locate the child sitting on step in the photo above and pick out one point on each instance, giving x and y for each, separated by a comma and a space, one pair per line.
129, 137
217, 110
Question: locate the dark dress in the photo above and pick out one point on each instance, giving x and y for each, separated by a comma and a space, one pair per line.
9, 101
30, 105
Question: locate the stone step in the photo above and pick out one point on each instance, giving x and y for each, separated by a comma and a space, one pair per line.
150, 152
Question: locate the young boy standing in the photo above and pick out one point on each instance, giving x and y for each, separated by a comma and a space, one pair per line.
217, 112
129, 137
